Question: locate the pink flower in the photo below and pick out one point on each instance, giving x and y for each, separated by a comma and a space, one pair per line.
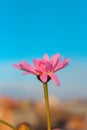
44, 68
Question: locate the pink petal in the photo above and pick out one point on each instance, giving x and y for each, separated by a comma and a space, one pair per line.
25, 67
47, 67
38, 71
28, 67
43, 77
38, 65
54, 78
55, 60
16, 66
37, 62
46, 58
62, 64
27, 73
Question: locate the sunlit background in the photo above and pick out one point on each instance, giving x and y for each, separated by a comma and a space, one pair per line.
30, 29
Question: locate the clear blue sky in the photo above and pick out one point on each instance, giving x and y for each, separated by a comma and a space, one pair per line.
28, 29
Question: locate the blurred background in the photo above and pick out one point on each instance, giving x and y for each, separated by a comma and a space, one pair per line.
28, 30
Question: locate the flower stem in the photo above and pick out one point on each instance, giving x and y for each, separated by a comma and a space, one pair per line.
9, 125
47, 105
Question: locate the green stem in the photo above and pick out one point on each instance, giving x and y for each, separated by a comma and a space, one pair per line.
9, 125
47, 105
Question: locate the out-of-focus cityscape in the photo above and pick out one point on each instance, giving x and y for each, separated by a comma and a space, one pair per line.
65, 114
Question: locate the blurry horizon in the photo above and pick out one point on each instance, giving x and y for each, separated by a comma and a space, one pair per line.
30, 29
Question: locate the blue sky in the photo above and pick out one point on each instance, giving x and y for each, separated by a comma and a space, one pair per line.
29, 29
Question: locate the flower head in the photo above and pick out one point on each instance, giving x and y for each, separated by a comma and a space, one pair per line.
44, 68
